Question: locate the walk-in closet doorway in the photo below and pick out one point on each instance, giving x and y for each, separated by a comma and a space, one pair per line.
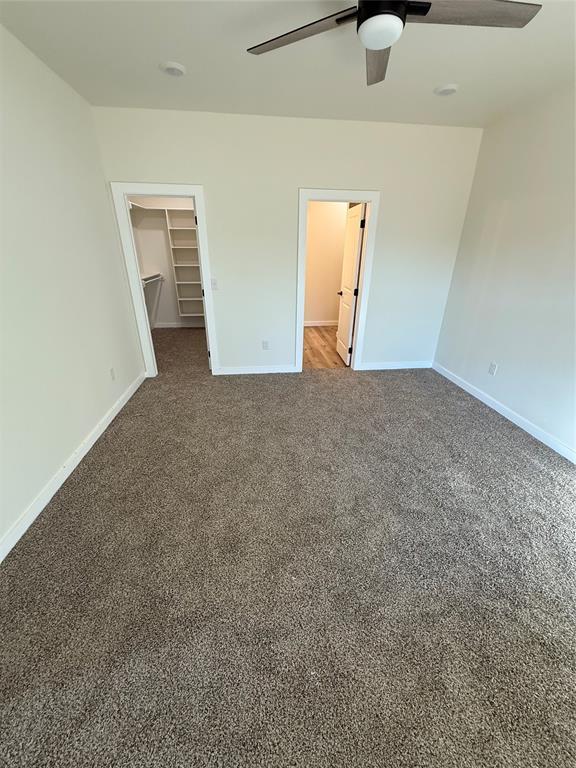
164, 240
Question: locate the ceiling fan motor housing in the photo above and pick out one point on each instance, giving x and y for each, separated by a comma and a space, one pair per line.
380, 22
369, 8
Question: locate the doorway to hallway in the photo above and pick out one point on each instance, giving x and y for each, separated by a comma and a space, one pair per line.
336, 243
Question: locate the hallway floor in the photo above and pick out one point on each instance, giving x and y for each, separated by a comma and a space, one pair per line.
320, 348
332, 569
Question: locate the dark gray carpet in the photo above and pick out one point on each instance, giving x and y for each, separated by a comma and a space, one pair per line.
317, 570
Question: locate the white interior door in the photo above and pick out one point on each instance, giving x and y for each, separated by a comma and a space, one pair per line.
349, 283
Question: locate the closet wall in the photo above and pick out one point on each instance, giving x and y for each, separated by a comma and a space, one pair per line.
153, 246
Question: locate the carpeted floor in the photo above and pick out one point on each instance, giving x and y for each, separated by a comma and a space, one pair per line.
331, 569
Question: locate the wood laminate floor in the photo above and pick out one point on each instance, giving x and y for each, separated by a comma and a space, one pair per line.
320, 348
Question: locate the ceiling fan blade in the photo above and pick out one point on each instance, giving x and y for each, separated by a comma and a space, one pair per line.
376, 65
477, 13
308, 30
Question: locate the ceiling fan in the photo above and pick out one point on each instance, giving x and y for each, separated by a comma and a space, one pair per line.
380, 23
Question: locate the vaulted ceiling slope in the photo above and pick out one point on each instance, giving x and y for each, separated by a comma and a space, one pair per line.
110, 53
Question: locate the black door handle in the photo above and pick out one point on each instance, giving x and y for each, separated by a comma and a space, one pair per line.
339, 293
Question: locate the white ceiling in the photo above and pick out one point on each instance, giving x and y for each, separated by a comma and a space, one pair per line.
110, 51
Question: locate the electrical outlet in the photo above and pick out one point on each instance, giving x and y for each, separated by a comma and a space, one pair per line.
112, 374
214, 284
265, 345
492, 369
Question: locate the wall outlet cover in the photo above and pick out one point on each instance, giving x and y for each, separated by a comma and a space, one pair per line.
492, 368
265, 345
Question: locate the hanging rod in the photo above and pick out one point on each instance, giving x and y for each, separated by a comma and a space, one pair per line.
152, 278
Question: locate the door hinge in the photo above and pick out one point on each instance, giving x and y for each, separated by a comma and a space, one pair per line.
195, 219
203, 294
362, 223
355, 291
208, 353
349, 350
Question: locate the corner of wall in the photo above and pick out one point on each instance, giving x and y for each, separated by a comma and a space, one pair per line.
468, 199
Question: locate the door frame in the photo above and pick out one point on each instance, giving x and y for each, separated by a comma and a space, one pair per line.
120, 193
337, 196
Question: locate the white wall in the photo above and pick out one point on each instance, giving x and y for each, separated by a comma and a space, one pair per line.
252, 167
512, 295
325, 230
66, 313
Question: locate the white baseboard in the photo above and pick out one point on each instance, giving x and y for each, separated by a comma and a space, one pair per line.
176, 325
528, 426
227, 370
320, 323
393, 366
30, 514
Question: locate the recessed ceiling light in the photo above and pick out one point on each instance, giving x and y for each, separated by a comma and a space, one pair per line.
446, 90
173, 68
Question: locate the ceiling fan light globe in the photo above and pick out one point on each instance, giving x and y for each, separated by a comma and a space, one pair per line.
380, 31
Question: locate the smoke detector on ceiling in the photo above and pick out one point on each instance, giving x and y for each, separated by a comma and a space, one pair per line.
446, 90
173, 68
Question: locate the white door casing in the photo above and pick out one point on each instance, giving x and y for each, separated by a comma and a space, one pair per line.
120, 193
372, 201
353, 239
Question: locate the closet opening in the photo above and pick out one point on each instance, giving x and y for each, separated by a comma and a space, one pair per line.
165, 250
333, 255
